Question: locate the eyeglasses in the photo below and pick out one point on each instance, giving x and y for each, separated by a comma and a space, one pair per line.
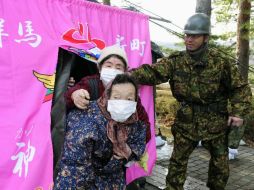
192, 36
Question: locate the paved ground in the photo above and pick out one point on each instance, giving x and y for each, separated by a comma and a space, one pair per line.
241, 171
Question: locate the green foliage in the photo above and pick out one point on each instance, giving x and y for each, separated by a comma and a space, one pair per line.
229, 50
251, 80
166, 51
226, 11
249, 127
224, 37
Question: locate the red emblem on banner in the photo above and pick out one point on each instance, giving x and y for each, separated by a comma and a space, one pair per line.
79, 36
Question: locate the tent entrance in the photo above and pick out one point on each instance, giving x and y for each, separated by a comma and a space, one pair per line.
69, 65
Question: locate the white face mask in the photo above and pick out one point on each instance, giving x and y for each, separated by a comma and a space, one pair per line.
121, 110
108, 74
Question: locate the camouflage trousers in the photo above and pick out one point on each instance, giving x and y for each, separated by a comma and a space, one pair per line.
218, 172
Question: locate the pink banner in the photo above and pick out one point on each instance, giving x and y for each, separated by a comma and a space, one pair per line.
30, 34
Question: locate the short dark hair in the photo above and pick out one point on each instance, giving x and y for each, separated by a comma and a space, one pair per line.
123, 79
113, 55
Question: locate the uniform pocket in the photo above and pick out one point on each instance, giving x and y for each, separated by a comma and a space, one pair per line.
208, 87
185, 114
180, 84
216, 123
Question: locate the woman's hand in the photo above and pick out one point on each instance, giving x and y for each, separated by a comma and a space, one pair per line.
80, 98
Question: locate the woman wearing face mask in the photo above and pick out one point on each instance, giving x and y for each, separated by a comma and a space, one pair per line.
112, 61
100, 140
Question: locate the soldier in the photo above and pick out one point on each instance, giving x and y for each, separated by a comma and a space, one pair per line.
203, 80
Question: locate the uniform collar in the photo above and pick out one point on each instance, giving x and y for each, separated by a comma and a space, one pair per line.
198, 57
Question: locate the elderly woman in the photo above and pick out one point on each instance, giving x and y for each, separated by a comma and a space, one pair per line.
102, 139
112, 61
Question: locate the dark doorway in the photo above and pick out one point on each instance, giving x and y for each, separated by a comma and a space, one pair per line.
69, 65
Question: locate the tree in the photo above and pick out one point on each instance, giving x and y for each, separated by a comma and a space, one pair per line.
204, 6
243, 33
237, 11
106, 2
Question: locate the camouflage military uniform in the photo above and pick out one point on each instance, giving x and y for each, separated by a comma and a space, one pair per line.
203, 89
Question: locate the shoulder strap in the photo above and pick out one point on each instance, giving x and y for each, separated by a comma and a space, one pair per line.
94, 88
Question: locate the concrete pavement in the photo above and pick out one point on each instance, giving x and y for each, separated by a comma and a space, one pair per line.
241, 171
